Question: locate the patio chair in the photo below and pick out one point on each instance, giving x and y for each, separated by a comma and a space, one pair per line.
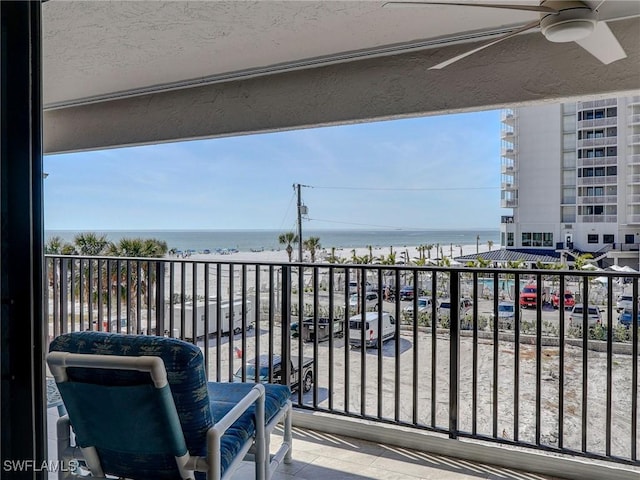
141, 408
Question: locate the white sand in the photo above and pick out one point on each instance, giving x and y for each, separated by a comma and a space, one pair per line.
448, 251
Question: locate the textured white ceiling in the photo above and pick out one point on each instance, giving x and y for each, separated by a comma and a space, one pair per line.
134, 72
93, 48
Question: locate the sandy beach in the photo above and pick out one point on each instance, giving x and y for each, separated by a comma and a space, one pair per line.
450, 251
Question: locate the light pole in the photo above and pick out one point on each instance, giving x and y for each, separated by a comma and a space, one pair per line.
477, 244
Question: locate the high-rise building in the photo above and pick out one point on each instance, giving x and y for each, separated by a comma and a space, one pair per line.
571, 177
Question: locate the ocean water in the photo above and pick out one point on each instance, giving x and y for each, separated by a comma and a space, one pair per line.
245, 240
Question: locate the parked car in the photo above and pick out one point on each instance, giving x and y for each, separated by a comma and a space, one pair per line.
370, 323
305, 373
308, 330
569, 301
354, 287
506, 314
626, 317
424, 306
529, 296
594, 315
370, 301
407, 292
624, 302
466, 304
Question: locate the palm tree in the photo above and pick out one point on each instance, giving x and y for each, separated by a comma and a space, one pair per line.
91, 244
139, 284
312, 244
429, 246
490, 244
287, 239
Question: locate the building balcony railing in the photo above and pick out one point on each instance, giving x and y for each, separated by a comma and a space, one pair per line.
597, 161
598, 218
508, 136
597, 200
508, 169
609, 102
633, 198
599, 180
509, 203
633, 159
633, 179
506, 219
508, 152
634, 119
508, 186
508, 116
634, 100
537, 378
597, 142
598, 122
633, 219
634, 139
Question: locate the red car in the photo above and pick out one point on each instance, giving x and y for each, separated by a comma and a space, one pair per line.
528, 296
569, 301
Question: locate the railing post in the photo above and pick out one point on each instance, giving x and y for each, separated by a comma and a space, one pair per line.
160, 298
454, 353
285, 325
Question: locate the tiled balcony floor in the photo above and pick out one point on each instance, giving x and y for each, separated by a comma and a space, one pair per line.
321, 456
324, 456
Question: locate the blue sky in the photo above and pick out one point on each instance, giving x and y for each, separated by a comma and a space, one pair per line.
439, 172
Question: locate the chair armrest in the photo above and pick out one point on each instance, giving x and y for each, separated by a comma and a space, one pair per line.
256, 395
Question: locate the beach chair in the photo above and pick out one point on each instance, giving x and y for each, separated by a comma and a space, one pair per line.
141, 408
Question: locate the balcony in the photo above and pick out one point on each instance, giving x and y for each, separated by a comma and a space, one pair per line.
609, 102
509, 203
508, 136
598, 218
598, 180
508, 153
598, 142
634, 139
597, 200
633, 159
508, 186
598, 122
597, 161
634, 119
444, 376
508, 169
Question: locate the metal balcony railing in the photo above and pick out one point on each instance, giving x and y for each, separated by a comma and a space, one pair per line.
540, 378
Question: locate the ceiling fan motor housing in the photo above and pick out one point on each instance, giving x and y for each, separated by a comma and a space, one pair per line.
574, 21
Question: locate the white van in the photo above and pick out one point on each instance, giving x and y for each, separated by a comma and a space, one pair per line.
370, 329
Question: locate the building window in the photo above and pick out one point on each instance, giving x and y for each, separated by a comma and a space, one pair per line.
612, 112
592, 238
537, 240
612, 170
510, 239
608, 239
612, 151
547, 239
630, 239
526, 239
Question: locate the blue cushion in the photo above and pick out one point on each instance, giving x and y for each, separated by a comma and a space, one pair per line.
186, 374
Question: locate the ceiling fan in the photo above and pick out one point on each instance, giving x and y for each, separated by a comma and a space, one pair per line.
560, 21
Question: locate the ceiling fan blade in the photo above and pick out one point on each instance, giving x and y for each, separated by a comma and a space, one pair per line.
529, 8
603, 44
524, 28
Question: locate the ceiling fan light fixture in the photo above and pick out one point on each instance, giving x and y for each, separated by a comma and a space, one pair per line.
568, 31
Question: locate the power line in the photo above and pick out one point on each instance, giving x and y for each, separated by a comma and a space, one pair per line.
399, 189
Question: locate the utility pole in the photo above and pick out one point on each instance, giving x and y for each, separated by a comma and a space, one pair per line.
302, 210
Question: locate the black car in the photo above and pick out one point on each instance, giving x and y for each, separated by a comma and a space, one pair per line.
406, 292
